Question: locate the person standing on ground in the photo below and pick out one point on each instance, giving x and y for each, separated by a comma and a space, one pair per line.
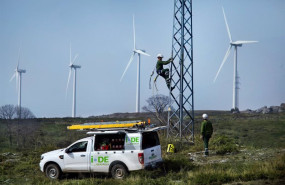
163, 72
206, 132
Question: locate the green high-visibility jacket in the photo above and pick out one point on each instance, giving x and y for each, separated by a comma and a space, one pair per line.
160, 63
206, 128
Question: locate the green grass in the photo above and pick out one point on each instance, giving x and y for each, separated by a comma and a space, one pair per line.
177, 169
222, 173
244, 148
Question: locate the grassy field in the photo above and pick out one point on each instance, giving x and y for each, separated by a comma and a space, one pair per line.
245, 149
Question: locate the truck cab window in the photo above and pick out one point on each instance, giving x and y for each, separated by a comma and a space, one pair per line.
78, 147
149, 139
110, 142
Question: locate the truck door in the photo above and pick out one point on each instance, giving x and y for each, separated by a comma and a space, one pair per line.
76, 157
107, 148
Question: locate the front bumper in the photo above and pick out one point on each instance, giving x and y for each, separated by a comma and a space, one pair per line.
42, 165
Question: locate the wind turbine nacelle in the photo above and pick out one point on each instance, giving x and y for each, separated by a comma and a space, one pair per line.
75, 66
21, 70
236, 44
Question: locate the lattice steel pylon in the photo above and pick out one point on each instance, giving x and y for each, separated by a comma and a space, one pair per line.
181, 112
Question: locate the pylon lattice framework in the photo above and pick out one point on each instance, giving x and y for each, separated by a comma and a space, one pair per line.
181, 114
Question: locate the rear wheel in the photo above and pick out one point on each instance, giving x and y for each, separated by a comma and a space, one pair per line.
119, 171
53, 172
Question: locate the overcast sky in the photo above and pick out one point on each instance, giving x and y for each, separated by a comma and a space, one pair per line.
100, 31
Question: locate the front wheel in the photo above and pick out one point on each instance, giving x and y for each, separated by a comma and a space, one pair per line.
119, 171
52, 171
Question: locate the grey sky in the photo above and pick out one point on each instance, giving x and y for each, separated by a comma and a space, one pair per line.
101, 33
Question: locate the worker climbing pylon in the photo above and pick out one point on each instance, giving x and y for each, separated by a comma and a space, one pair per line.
163, 72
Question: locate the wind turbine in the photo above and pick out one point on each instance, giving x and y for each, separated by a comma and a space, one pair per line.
234, 44
18, 75
139, 52
74, 67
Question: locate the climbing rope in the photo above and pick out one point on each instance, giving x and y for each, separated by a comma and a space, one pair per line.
150, 79
154, 89
154, 84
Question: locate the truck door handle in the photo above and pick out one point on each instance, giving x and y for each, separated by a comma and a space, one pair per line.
82, 155
152, 150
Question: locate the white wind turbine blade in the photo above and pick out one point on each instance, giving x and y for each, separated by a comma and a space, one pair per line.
244, 42
17, 81
224, 60
18, 61
13, 76
142, 52
228, 29
70, 54
134, 31
131, 59
74, 58
16, 71
69, 75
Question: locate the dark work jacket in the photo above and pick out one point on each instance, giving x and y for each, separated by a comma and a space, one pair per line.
206, 128
160, 63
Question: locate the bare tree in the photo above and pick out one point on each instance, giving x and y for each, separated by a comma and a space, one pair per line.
11, 112
25, 113
7, 111
158, 106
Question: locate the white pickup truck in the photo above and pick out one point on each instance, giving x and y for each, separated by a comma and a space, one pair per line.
110, 151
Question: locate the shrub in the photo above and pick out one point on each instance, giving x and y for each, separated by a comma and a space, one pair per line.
224, 144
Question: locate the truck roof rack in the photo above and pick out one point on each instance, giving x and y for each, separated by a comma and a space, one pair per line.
126, 130
109, 125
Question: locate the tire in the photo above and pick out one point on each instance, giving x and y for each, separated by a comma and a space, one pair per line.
119, 171
53, 172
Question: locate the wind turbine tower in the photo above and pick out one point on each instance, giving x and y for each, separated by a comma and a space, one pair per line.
74, 67
139, 52
234, 44
18, 74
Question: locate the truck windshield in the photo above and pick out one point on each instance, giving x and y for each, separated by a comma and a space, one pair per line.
149, 139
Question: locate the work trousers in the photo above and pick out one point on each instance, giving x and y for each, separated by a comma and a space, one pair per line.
206, 144
165, 74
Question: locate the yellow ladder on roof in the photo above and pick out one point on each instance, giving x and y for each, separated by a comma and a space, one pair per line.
102, 125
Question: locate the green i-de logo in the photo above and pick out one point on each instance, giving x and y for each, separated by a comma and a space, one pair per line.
100, 160
135, 139
132, 140
103, 159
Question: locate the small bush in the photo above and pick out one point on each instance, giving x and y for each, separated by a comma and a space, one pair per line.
177, 162
224, 144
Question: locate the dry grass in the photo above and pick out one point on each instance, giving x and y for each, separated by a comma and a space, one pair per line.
243, 149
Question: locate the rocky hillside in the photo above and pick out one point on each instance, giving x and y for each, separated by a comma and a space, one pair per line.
268, 110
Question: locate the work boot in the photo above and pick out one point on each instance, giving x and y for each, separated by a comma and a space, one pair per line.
168, 84
167, 73
170, 88
206, 152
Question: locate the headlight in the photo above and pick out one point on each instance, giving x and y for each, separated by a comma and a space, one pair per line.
42, 157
